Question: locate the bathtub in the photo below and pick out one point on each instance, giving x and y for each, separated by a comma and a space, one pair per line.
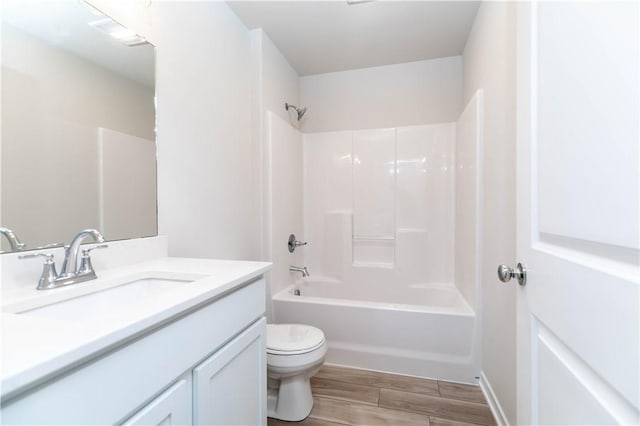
425, 330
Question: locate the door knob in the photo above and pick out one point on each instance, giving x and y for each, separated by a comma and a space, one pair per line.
505, 273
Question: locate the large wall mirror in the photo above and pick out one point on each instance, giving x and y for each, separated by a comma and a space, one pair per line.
78, 125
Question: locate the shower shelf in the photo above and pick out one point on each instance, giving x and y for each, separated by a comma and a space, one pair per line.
361, 238
379, 265
374, 252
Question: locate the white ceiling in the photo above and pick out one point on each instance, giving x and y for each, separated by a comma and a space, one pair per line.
326, 36
64, 24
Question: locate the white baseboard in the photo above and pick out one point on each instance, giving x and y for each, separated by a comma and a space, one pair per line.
493, 402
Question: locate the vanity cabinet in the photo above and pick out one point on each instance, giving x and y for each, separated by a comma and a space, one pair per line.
205, 366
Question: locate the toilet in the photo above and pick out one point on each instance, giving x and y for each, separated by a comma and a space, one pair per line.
295, 352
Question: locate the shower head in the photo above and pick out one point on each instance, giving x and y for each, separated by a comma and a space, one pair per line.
300, 111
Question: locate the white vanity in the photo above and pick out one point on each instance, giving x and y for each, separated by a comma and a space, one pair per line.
160, 341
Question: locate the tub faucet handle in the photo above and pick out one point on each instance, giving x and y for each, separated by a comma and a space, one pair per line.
293, 243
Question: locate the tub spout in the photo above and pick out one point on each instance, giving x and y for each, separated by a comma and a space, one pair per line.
303, 270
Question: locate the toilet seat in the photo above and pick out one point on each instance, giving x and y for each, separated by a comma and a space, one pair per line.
293, 339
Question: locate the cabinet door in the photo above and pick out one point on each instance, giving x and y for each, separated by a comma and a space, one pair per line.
230, 386
172, 407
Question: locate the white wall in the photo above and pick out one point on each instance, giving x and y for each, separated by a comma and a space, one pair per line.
207, 175
279, 161
279, 82
467, 199
414, 93
489, 63
53, 103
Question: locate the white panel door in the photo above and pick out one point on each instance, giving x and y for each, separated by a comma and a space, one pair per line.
577, 212
172, 407
230, 388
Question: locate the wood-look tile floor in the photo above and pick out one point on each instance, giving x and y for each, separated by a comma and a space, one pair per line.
348, 396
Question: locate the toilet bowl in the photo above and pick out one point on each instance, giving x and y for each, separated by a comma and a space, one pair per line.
295, 352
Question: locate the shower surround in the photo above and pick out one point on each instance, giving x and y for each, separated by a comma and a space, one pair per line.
379, 205
391, 217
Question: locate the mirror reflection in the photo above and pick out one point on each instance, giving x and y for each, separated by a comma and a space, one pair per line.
78, 126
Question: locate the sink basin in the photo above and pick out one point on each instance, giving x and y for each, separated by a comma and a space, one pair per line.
110, 300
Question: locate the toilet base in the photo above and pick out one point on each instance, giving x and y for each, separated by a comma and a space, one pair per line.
292, 401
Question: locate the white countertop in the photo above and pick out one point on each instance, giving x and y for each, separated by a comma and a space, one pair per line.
35, 348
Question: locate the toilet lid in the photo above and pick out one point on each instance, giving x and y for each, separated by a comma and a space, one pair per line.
292, 339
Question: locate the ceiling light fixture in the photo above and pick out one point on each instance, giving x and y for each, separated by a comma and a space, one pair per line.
354, 2
118, 32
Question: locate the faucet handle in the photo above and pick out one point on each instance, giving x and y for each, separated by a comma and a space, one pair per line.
49, 256
99, 246
85, 261
49, 273
293, 243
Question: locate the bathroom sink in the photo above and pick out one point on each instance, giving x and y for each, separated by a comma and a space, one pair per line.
109, 301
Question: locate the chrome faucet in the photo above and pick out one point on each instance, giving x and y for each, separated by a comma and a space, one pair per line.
71, 252
14, 242
71, 273
305, 272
